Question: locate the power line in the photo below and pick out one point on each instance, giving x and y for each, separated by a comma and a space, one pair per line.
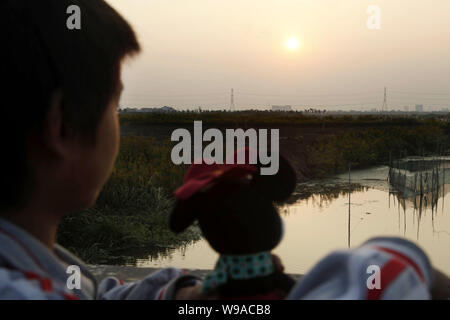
175, 94
361, 99
232, 100
384, 107
422, 93
309, 94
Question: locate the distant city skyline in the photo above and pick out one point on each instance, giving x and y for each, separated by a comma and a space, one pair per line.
310, 53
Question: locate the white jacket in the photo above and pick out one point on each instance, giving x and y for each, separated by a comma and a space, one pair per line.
380, 269
29, 270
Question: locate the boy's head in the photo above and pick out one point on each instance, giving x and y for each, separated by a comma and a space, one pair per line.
60, 94
234, 205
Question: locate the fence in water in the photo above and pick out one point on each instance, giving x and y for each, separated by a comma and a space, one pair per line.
420, 177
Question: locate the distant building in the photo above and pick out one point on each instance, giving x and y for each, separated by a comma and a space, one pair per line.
445, 109
419, 107
147, 110
406, 108
130, 110
167, 109
282, 108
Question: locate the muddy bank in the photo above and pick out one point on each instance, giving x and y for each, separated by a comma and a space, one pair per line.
129, 274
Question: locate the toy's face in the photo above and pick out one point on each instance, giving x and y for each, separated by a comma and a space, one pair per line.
243, 223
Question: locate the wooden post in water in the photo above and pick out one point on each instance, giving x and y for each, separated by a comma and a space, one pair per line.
390, 166
349, 166
443, 186
433, 175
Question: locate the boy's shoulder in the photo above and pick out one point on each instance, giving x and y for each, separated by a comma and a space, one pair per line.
29, 270
18, 285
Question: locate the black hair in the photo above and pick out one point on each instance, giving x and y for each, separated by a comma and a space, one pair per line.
40, 55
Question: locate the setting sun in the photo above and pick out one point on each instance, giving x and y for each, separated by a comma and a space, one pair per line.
292, 43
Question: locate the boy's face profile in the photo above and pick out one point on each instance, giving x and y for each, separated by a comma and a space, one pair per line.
97, 159
71, 169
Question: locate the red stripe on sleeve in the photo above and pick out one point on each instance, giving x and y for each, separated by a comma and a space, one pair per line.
407, 259
161, 294
69, 296
46, 284
31, 275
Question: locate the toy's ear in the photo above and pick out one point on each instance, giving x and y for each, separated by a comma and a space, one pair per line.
279, 186
182, 216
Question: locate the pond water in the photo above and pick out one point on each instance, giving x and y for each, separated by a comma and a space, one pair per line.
318, 224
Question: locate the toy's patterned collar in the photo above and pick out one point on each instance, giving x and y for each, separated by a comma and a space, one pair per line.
238, 267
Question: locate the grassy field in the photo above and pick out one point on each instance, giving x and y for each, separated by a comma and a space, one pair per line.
130, 216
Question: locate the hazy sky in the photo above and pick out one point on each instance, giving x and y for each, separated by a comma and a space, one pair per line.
195, 51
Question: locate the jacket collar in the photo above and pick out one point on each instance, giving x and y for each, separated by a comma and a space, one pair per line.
21, 251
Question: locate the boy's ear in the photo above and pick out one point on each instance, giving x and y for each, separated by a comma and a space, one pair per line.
56, 134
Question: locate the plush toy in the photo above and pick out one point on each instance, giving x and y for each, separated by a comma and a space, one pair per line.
234, 207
